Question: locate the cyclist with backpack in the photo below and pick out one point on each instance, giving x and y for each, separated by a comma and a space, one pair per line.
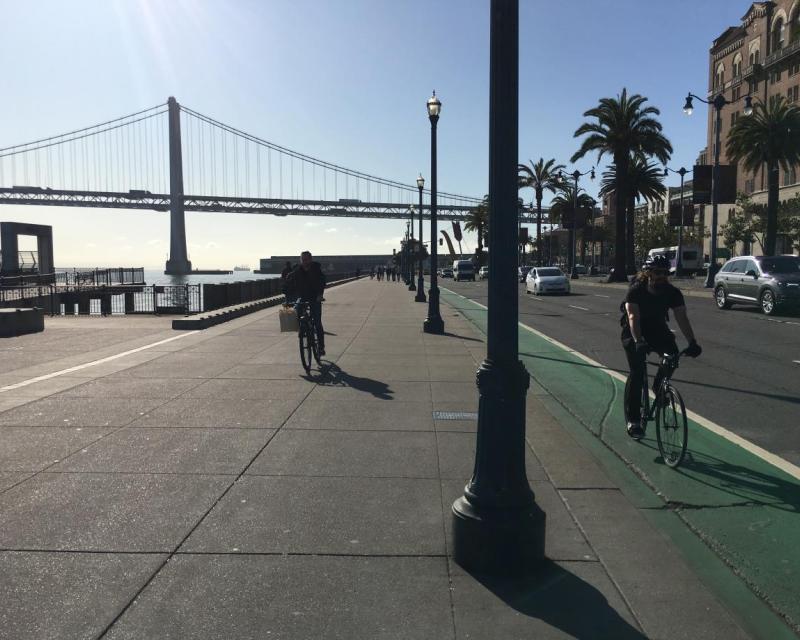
645, 312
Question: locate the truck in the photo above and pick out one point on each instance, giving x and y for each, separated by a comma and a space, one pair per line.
691, 257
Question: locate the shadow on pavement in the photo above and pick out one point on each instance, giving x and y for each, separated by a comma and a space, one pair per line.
331, 375
564, 601
454, 335
753, 487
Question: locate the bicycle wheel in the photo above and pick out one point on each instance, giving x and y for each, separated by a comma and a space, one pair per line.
672, 430
305, 346
312, 332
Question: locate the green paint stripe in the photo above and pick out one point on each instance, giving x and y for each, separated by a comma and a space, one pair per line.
742, 507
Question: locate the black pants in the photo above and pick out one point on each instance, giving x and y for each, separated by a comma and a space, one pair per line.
664, 343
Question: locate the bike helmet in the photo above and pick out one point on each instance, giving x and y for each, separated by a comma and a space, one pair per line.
656, 262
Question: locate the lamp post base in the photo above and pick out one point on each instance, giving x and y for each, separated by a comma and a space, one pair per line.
420, 297
411, 285
573, 275
433, 323
500, 542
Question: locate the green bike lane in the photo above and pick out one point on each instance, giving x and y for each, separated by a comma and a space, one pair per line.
724, 502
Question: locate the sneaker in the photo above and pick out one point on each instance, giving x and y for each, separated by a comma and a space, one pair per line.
635, 430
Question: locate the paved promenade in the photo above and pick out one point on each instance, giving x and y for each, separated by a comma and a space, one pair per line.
201, 486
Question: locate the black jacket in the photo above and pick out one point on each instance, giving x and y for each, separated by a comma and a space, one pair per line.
306, 284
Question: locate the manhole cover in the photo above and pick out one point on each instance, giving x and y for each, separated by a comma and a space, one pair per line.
455, 415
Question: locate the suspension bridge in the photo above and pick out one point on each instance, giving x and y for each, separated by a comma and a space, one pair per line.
155, 158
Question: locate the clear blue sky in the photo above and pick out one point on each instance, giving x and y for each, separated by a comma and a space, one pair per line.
342, 80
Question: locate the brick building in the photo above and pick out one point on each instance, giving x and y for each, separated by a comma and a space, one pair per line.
761, 56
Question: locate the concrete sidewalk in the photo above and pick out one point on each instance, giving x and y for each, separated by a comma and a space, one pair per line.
206, 488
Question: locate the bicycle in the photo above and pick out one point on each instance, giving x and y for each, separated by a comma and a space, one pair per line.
668, 411
307, 335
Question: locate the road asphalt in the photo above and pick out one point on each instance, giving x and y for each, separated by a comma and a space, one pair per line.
156, 484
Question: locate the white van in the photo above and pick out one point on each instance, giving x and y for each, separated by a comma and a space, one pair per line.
691, 258
463, 270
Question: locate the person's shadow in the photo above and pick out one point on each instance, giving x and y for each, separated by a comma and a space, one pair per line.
331, 375
564, 601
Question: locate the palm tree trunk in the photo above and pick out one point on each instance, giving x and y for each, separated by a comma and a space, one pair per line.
773, 188
620, 196
539, 194
630, 247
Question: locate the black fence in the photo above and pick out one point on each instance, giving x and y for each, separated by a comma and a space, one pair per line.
76, 278
130, 299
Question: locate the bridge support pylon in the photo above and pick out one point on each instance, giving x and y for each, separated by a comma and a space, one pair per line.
178, 262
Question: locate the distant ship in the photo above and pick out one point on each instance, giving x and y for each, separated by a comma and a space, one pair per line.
241, 267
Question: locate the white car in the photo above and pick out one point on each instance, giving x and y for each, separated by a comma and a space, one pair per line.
546, 280
483, 273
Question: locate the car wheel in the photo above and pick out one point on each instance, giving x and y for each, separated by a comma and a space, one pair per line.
721, 298
768, 302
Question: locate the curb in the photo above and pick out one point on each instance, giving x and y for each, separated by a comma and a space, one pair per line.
226, 314
687, 291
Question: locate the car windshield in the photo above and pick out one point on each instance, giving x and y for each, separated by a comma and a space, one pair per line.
549, 272
781, 264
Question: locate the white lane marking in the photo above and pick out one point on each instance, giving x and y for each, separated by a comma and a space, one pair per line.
776, 461
86, 365
600, 295
576, 307
796, 361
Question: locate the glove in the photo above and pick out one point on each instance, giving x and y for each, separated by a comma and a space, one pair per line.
642, 348
694, 349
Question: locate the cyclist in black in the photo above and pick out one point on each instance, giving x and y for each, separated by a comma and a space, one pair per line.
645, 312
308, 283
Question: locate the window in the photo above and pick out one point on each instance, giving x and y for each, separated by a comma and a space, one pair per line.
737, 93
794, 69
727, 267
736, 266
775, 76
793, 93
750, 265
778, 34
750, 185
734, 118
719, 77
790, 177
737, 66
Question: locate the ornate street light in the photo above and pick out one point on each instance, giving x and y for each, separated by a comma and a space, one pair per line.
420, 297
433, 323
497, 526
410, 267
576, 175
679, 259
718, 102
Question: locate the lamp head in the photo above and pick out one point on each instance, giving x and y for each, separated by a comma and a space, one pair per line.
688, 107
591, 175
434, 106
666, 172
420, 182
748, 106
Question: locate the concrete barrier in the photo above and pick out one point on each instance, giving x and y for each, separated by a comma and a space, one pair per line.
16, 322
209, 319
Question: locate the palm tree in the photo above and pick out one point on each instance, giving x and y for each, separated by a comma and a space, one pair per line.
477, 221
645, 180
623, 127
771, 135
541, 177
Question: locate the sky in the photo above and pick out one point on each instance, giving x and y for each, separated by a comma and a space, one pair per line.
345, 81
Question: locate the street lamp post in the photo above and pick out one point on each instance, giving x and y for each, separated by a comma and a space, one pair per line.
679, 258
433, 323
420, 297
497, 526
573, 273
718, 102
410, 267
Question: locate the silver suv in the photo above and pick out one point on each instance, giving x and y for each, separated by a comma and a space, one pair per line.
769, 282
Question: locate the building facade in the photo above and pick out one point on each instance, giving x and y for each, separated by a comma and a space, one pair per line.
760, 57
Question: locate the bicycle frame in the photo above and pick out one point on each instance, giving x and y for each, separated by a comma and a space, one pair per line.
669, 363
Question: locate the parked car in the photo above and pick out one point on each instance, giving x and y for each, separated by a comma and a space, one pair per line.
581, 269
483, 273
546, 280
522, 272
463, 270
769, 282
447, 272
